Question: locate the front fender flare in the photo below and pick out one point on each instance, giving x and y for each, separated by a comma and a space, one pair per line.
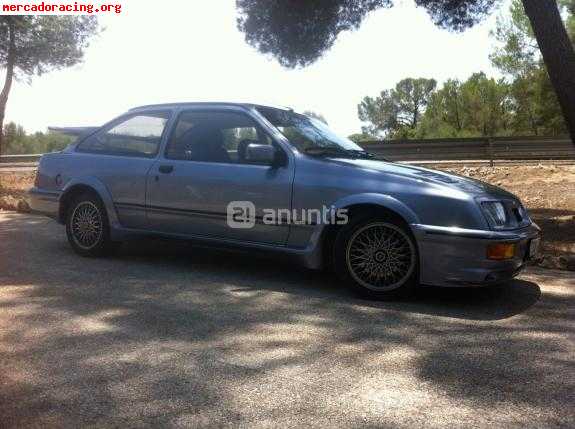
385, 201
382, 200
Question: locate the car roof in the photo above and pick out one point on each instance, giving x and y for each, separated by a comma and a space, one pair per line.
207, 104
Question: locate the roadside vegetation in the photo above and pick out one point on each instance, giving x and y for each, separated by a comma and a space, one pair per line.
522, 103
34, 45
17, 141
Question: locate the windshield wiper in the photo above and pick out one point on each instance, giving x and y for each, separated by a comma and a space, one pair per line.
337, 151
361, 153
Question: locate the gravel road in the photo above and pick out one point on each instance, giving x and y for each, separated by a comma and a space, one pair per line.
173, 335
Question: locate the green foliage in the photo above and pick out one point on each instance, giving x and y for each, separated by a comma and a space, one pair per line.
362, 138
517, 52
33, 45
298, 33
523, 103
479, 106
535, 105
18, 142
396, 112
45, 42
457, 14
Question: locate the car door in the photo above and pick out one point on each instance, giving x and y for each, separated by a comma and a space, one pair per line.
202, 178
120, 156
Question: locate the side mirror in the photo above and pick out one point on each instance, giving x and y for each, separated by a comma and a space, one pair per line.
261, 154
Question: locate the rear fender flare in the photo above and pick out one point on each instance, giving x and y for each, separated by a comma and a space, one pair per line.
100, 189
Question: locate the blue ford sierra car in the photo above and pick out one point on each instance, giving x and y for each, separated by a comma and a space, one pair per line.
257, 177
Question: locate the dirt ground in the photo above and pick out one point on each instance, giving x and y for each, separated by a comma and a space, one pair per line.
13, 187
548, 191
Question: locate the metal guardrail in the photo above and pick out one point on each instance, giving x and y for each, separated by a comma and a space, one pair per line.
477, 149
487, 149
33, 157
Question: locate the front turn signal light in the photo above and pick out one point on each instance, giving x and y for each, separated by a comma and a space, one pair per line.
500, 251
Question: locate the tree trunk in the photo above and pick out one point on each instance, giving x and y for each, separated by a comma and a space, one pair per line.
558, 54
10, 61
532, 122
457, 116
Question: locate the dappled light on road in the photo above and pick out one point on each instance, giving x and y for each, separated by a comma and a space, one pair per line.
167, 333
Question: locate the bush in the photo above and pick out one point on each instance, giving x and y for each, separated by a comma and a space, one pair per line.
17, 142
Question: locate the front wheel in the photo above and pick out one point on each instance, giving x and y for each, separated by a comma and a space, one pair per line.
87, 227
378, 258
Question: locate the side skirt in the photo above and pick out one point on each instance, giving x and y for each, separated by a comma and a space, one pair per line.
307, 257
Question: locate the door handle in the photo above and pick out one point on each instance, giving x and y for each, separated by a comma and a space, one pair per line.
166, 169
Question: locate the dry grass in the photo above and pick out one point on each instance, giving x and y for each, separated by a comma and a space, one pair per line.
13, 187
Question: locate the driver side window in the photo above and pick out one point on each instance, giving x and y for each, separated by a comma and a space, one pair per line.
214, 137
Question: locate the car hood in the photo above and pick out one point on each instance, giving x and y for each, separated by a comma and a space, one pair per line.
427, 175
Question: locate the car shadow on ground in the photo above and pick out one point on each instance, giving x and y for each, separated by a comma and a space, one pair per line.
274, 273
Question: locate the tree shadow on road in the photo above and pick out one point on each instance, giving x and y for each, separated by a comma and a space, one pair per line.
558, 227
165, 333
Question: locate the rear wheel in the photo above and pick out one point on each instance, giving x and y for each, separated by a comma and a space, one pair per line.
87, 226
377, 257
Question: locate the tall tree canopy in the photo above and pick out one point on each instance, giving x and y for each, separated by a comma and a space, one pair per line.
397, 111
298, 32
457, 14
480, 106
517, 51
33, 45
535, 104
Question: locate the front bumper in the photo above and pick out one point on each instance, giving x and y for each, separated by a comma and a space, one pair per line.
44, 202
458, 257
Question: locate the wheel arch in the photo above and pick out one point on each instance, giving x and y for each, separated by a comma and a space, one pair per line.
379, 204
92, 185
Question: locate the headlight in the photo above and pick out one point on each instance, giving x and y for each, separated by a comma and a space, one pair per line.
495, 213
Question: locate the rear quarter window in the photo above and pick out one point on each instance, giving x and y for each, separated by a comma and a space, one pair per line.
137, 135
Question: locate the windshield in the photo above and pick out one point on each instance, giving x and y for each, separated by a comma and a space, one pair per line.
307, 134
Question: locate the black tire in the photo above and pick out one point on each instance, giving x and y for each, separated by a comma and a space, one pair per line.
358, 257
88, 228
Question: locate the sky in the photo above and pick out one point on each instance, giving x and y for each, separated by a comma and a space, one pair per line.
192, 51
